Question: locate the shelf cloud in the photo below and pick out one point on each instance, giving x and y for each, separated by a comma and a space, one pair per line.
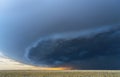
80, 34
98, 50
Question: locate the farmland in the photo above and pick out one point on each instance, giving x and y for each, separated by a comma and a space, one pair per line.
76, 73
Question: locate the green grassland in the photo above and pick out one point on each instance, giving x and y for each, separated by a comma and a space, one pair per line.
59, 73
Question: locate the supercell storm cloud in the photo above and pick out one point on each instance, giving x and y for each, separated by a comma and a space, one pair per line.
80, 34
93, 50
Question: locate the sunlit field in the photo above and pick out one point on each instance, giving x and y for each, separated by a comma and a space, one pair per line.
60, 73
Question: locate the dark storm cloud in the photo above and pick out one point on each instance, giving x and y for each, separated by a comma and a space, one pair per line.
23, 22
94, 51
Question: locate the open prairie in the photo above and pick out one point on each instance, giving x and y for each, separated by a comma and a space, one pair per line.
76, 73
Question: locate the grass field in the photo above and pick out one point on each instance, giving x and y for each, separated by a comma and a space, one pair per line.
60, 73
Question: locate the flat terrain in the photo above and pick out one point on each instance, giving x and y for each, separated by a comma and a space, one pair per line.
76, 73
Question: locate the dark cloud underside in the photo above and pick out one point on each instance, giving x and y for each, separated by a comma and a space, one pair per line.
96, 51
25, 23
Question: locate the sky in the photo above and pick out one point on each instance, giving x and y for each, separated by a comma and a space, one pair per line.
77, 34
10, 64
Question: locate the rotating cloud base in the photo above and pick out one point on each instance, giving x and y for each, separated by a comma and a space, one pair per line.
80, 34
90, 49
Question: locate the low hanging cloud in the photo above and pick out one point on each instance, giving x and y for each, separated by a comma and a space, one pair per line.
98, 49
56, 33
